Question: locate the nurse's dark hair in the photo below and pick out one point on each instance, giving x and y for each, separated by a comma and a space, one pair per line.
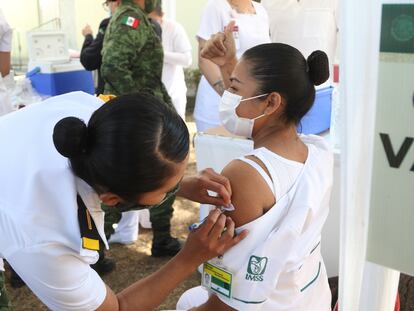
130, 146
281, 68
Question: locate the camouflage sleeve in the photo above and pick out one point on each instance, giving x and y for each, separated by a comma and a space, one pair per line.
121, 48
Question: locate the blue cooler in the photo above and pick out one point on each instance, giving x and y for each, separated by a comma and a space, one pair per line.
318, 118
51, 71
56, 79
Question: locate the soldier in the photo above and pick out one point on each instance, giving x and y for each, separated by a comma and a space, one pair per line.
132, 60
90, 56
132, 55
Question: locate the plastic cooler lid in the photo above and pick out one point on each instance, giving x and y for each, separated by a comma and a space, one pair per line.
48, 46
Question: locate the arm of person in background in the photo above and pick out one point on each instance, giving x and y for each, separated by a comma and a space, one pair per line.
119, 51
210, 70
4, 63
181, 51
90, 56
206, 243
178, 58
5, 45
220, 50
211, 23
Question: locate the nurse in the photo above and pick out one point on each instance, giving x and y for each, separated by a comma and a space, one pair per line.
64, 157
280, 191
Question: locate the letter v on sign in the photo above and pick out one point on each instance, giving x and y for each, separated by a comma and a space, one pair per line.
395, 160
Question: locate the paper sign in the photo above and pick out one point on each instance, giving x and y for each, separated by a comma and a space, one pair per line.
391, 226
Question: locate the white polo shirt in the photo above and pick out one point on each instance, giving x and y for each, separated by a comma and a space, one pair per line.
253, 30
307, 25
39, 228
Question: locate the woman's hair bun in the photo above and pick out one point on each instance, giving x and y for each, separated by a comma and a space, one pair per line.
318, 65
70, 137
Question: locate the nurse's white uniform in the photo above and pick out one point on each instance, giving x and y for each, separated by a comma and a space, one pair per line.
253, 30
279, 266
39, 228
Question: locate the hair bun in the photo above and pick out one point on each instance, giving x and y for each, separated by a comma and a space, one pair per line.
318, 67
70, 137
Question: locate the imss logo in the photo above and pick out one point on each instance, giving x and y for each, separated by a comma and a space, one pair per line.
256, 268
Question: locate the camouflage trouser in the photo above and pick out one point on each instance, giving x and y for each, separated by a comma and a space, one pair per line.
5, 304
160, 218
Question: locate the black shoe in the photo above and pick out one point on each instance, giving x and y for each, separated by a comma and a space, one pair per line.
15, 280
167, 247
104, 266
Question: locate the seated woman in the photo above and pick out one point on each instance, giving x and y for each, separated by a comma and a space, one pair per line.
280, 191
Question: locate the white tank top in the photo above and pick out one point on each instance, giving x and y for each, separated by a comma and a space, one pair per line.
278, 266
283, 172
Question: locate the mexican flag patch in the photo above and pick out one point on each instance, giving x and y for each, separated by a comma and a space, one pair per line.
130, 21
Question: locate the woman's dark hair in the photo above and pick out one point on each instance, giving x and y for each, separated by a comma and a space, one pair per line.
130, 145
281, 68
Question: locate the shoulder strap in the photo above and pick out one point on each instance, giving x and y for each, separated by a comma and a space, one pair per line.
262, 172
258, 153
89, 232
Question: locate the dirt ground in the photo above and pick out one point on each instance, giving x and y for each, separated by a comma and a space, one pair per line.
133, 261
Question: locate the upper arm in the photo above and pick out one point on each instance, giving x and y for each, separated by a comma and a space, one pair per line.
181, 42
91, 53
251, 195
121, 46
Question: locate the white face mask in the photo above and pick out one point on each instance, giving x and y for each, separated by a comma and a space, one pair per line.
229, 118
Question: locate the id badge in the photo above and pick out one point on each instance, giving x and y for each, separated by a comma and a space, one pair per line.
217, 279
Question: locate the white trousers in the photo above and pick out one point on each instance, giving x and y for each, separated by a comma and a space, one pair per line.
128, 227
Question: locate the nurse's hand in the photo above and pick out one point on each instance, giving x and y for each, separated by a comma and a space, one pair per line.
210, 240
195, 188
221, 48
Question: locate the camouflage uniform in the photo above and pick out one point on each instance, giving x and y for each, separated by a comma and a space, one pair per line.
132, 56
132, 60
5, 304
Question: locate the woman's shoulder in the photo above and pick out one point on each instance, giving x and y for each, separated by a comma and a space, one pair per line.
251, 194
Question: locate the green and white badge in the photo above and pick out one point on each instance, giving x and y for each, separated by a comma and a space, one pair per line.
217, 279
